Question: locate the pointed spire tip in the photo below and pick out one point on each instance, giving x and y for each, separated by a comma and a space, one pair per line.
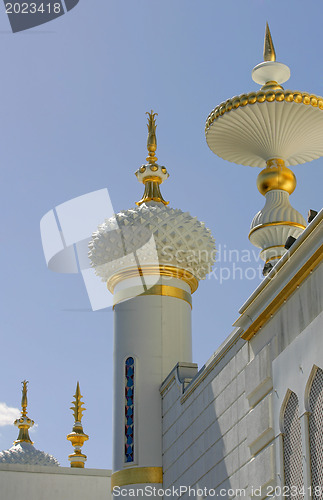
77, 436
269, 50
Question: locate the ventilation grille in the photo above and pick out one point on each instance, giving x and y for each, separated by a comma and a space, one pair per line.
293, 449
316, 434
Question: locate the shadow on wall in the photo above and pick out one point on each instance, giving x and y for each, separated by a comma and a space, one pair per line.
204, 436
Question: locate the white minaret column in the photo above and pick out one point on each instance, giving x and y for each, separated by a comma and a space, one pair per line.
152, 332
152, 258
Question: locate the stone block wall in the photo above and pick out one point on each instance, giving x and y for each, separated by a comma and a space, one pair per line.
204, 428
221, 426
218, 433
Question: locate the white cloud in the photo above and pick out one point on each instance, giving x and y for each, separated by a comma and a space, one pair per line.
8, 415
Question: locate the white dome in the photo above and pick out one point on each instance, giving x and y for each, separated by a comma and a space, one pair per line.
27, 454
152, 234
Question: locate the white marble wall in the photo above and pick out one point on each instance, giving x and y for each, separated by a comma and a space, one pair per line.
31, 482
205, 436
221, 427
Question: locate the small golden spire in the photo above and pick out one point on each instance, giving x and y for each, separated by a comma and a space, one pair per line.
151, 140
269, 50
77, 408
24, 400
24, 423
152, 174
77, 436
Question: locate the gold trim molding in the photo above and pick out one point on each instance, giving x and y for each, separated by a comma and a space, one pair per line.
153, 270
302, 274
137, 475
275, 257
261, 96
285, 293
164, 290
279, 223
152, 191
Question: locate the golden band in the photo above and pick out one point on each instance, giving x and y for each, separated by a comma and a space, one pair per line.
164, 290
284, 294
281, 223
154, 270
275, 257
137, 475
152, 178
273, 246
261, 96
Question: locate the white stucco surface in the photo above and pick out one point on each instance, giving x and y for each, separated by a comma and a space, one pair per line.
156, 331
222, 426
32, 482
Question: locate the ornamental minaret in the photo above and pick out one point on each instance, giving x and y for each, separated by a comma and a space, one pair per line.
272, 128
152, 258
24, 423
77, 436
23, 451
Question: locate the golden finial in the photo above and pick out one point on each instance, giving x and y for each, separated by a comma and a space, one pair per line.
77, 436
24, 423
77, 408
24, 401
152, 175
269, 50
151, 140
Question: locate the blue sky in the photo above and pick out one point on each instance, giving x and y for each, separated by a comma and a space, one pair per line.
72, 120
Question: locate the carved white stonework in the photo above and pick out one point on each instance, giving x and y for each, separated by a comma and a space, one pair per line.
252, 134
26, 421
148, 171
277, 208
152, 234
26, 453
270, 126
268, 71
271, 239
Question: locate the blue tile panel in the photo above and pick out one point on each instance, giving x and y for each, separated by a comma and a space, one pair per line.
129, 409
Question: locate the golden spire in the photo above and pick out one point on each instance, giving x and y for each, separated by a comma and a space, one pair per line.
269, 50
77, 408
77, 436
24, 400
152, 174
24, 423
151, 140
